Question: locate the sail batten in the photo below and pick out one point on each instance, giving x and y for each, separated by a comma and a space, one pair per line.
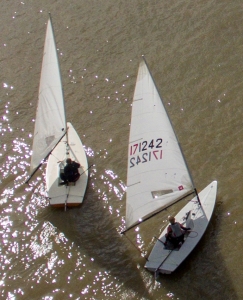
155, 160
50, 123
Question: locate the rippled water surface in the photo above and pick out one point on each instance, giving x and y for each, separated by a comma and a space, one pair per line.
194, 50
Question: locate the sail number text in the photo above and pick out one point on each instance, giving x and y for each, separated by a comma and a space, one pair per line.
145, 151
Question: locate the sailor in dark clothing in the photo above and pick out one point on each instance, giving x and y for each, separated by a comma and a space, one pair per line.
71, 173
175, 232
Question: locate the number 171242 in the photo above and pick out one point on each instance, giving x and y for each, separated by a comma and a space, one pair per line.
145, 151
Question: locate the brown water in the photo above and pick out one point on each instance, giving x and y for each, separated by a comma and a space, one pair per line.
194, 50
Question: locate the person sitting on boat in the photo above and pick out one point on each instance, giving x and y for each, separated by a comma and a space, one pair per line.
175, 232
71, 173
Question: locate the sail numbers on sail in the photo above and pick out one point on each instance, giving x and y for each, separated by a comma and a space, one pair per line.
145, 151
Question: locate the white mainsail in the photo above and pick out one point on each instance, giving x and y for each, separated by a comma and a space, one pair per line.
157, 174
50, 123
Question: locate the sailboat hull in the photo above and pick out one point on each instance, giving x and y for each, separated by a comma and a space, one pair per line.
62, 195
191, 215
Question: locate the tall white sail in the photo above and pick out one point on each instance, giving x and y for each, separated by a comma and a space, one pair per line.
157, 174
50, 123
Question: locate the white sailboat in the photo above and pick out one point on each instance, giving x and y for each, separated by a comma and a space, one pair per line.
158, 176
55, 140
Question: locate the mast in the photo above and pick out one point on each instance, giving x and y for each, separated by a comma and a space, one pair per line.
59, 76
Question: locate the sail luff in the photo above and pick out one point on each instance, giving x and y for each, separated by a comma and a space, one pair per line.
60, 77
50, 123
157, 173
59, 71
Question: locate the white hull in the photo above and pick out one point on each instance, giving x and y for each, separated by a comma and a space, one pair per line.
166, 261
61, 195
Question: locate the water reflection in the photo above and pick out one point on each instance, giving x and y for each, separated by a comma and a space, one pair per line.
38, 251
54, 257
78, 254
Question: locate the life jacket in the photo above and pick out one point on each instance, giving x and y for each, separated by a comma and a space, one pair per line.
176, 229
